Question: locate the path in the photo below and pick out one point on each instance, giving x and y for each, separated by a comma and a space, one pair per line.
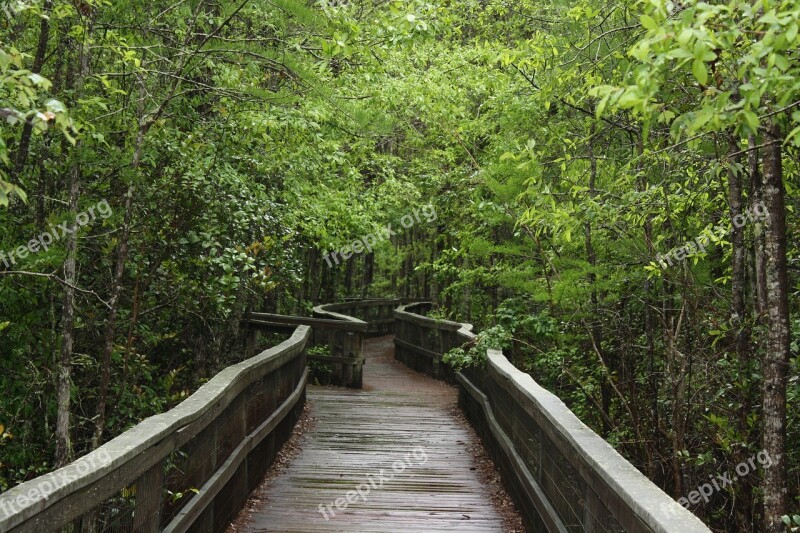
400, 418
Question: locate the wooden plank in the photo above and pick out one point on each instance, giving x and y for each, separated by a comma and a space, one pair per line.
147, 517
356, 434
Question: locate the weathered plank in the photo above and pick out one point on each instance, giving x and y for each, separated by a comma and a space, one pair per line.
400, 416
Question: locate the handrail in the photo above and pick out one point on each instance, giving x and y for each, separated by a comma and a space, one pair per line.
421, 341
203, 445
563, 476
342, 327
270, 319
377, 313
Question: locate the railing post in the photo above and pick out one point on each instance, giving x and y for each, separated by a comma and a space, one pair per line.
357, 350
251, 340
437, 359
595, 515
147, 516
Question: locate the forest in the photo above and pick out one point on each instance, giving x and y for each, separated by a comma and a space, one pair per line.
606, 189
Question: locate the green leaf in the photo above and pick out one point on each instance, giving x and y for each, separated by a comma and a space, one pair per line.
751, 121
699, 71
793, 137
791, 33
648, 22
55, 106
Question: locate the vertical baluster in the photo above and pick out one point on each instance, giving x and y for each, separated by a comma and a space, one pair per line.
148, 500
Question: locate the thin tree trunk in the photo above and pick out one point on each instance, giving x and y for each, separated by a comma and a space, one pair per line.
314, 276
63, 452
348, 277
649, 320
591, 258
739, 271
776, 356
36, 68
433, 291
369, 265
739, 322
760, 284
408, 271
116, 282
64, 367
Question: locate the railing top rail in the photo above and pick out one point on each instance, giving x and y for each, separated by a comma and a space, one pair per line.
406, 312
323, 310
361, 302
181, 423
271, 319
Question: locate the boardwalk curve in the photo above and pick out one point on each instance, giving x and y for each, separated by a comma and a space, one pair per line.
401, 419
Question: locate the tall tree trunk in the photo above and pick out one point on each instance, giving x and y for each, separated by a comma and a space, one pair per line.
760, 282
116, 282
738, 316
64, 365
776, 355
738, 267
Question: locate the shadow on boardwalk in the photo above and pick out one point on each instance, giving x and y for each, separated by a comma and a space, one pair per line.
396, 449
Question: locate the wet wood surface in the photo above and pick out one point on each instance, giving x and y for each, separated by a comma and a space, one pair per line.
393, 456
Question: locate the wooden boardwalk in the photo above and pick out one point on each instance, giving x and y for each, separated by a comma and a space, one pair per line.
395, 449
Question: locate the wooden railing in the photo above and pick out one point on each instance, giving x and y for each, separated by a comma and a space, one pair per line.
193, 467
343, 336
420, 342
378, 313
341, 327
188, 469
561, 474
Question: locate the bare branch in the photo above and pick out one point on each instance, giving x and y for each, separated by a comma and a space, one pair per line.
55, 278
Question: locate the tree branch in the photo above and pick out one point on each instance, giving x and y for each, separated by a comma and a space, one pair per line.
55, 278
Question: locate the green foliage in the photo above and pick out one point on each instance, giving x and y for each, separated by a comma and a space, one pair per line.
496, 338
21, 93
